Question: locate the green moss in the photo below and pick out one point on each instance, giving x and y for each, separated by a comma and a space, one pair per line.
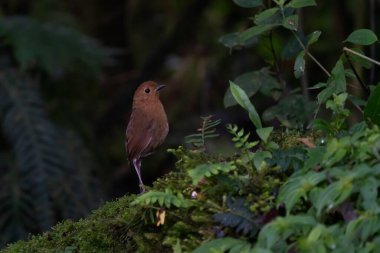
123, 226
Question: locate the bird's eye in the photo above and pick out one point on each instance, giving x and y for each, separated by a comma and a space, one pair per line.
147, 90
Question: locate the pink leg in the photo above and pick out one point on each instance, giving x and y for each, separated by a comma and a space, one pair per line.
137, 165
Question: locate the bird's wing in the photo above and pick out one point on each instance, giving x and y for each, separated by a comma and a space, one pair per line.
138, 134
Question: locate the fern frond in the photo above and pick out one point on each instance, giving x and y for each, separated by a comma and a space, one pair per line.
241, 138
238, 216
33, 139
208, 170
52, 176
167, 199
52, 47
16, 207
206, 131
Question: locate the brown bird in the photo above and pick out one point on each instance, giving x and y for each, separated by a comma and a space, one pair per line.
148, 125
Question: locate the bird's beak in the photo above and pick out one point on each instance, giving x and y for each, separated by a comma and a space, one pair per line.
159, 87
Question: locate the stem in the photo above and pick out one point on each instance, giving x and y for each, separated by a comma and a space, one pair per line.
345, 49
373, 47
305, 49
310, 55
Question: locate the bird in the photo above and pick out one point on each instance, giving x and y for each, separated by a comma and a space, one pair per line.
147, 127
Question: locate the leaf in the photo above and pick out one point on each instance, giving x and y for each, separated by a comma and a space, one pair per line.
325, 94
238, 216
259, 158
372, 109
333, 195
368, 191
164, 199
291, 22
339, 77
299, 65
301, 3
253, 82
297, 187
315, 156
264, 133
233, 40
282, 228
268, 17
227, 245
362, 37
313, 37
248, 3
52, 47
208, 170
243, 100
255, 31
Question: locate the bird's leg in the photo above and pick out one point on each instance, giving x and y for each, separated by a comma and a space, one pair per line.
137, 165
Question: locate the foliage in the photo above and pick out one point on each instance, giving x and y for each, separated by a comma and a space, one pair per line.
49, 173
206, 131
166, 199
51, 170
50, 47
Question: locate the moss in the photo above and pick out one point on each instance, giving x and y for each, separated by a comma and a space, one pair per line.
103, 231
121, 226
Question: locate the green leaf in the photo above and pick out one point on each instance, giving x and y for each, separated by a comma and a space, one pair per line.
313, 37
362, 37
266, 17
301, 3
259, 158
252, 82
333, 195
233, 40
51, 47
248, 3
339, 77
208, 170
226, 244
255, 31
372, 110
243, 100
315, 157
166, 199
264, 133
291, 22
297, 187
299, 65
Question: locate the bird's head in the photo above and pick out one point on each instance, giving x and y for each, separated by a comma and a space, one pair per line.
147, 91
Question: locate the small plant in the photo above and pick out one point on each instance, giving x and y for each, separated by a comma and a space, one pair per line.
206, 131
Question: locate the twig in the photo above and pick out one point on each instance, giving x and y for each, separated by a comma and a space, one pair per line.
361, 56
373, 47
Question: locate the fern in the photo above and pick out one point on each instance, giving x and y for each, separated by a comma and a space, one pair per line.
52, 47
167, 199
240, 138
206, 131
238, 216
227, 244
208, 170
50, 179
16, 207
